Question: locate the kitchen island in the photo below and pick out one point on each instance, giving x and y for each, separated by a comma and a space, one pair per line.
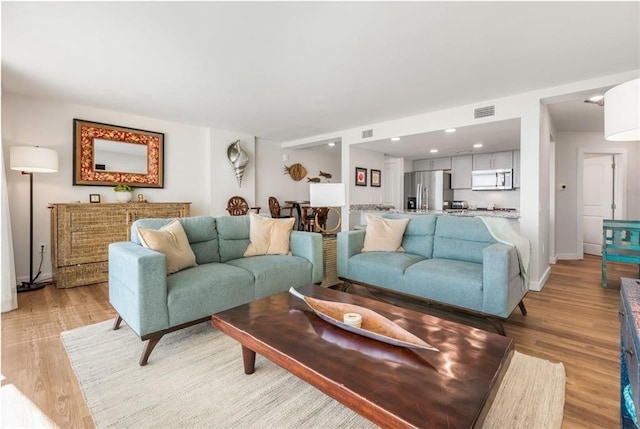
358, 213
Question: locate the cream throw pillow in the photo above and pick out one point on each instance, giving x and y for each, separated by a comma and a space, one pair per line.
173, 242
384, 235
268, 236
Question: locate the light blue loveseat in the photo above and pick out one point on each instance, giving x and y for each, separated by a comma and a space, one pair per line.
451, 260
153, 304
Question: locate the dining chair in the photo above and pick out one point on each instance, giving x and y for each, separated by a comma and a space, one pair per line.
238, 206
276, 210
310, 223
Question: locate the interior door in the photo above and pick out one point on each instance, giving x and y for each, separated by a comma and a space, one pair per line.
597, 199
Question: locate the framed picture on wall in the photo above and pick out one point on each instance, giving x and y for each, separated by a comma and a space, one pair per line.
375, 178
361, 176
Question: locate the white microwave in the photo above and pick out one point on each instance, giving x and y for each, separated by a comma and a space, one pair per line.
487, 180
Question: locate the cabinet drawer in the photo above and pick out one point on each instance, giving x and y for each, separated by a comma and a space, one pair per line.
81, 275
631, 356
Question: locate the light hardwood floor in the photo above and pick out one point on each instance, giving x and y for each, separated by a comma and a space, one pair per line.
573, 320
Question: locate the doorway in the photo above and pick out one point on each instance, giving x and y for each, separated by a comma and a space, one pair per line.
392, 182
602, 196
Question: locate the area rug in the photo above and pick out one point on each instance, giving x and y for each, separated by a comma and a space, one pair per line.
195, 379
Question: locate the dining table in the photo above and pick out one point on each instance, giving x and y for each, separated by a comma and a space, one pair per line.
297, 204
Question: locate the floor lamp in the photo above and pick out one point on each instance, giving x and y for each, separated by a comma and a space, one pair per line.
29, 160
330, 195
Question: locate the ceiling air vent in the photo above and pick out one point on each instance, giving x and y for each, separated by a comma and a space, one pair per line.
367, 133
483, 112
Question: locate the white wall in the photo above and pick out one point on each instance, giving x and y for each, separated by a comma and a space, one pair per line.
196, 167
280, 185
222, 175
568, 146
534, 150
361, 157
29, 121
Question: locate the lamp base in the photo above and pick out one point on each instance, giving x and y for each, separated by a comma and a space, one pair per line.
28, 287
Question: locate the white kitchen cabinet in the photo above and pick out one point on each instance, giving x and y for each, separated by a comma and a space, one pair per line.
461, 167
432, 164
492, 161
516, 168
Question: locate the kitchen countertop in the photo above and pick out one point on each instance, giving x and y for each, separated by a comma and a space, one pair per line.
467, 213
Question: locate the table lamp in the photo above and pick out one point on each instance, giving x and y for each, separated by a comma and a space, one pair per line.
329, 195
29, 160
622, 112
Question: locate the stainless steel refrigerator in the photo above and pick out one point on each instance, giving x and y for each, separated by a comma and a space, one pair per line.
427, 190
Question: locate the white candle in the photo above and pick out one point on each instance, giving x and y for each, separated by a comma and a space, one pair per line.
353, 319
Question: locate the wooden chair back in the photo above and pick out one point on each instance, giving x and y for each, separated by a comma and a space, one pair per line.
238, 206
276, 210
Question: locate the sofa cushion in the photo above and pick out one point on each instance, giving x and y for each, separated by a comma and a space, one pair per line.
461, 238
203, 237
276, 273
384, 235
206, 289
233, 234
418, 237
449, 281
171, 240
200, 230
269, 236
381, 268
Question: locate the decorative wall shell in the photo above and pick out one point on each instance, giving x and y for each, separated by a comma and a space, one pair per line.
238, 158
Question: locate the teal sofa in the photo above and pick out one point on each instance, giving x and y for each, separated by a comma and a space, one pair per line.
450, 260
153, 304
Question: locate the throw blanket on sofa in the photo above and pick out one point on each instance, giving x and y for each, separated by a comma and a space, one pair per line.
503, 232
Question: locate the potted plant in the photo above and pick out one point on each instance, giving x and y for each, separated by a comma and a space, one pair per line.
124, 192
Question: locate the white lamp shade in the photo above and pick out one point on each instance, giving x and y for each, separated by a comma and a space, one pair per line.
327, 194
33, 159
622, 112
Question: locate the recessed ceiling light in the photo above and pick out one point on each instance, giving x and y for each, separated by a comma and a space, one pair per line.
477, 145
332, 144
450, 130
434, 151
395, 139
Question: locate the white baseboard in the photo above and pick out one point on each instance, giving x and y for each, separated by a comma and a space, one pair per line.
553, 260
44, 277
569, 256
537, 286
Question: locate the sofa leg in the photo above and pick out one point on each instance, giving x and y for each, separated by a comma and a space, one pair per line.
116, 323
498, 326
149, 348
522, 308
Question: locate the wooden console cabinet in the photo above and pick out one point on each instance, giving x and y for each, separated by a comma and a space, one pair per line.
81, 233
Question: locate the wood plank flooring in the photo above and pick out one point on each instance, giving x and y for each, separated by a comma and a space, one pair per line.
573, 320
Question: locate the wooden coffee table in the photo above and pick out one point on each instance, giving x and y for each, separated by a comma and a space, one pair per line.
391, 386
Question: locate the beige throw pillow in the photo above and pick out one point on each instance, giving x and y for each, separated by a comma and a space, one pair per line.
268, 236
173, 242
384, 235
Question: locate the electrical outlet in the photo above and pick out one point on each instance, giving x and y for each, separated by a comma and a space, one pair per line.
43, 247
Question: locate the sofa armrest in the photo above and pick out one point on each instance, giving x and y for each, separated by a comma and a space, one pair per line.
349, 243
502, 284
308, 245
138, 286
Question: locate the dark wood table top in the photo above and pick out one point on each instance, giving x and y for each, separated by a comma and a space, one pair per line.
391, 386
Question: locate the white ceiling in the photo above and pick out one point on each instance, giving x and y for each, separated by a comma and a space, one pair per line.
289, 70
